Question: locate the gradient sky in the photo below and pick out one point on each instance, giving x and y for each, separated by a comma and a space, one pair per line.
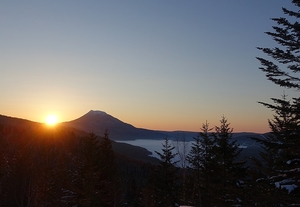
165, 65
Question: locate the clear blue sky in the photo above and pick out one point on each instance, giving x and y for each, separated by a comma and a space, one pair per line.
167, 65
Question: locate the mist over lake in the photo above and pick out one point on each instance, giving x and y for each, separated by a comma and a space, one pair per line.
154, 145
249, 147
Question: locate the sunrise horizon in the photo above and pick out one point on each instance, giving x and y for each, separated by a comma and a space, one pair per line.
156, 65
150, 103
48, 119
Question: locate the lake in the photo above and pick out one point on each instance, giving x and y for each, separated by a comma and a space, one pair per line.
156, 145
250, 147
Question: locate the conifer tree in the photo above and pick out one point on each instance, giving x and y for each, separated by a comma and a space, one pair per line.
165, 181
107, 153
111, 180
284, 69
201, 167
280, 156
279, 171
231, 169
88, 174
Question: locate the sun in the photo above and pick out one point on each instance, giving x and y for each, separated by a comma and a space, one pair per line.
51, 120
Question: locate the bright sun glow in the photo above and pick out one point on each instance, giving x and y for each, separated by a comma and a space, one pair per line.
51, 120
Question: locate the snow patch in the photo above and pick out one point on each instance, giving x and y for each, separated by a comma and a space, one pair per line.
284, 184
96, 112
294, 161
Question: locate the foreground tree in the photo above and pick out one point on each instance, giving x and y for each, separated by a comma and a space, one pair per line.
230, 168
110, 184
284, 70
279, 171
95, 176
201, 161
164, 181
279, 180
88, 172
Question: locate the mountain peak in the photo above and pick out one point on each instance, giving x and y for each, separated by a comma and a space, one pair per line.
98, 121
96, 112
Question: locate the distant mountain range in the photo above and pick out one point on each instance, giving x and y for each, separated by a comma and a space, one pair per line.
11, 124
98, 121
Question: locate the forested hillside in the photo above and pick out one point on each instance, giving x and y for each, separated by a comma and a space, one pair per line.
42, 166
77, 164
57, 166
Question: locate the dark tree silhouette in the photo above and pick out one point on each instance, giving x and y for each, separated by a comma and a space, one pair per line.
279, 174
110, 184
280, 166
164, 180
285, 67
88, 172
201, 166
230, 169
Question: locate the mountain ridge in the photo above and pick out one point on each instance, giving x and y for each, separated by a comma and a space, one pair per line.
97, 121
22, 126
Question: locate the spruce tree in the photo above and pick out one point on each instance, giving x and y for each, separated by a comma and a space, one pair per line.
108, 156
88, 173
231, 169
111, 181
279, 170
284, 69
164, 181
280, 156
201, 167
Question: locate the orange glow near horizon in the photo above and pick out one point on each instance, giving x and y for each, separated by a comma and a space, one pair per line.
155, 121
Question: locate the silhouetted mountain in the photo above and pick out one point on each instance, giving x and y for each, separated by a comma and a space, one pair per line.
98, 121
17, 122
121, 149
